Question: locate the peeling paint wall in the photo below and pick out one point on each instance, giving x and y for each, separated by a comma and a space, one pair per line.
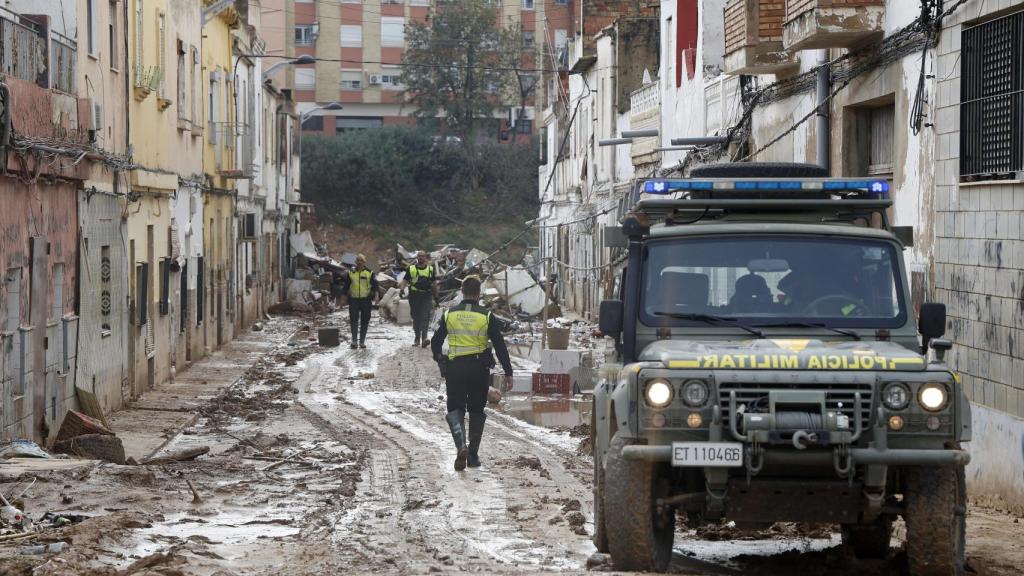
38, 253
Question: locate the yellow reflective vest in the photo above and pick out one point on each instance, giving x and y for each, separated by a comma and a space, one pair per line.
415, 274
467, 331
359, 283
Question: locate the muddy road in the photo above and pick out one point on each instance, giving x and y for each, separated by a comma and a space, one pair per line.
338, 461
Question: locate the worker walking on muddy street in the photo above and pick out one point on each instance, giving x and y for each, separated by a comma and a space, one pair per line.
361, 287
420, 280
469, 328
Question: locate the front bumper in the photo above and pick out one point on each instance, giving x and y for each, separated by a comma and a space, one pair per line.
866, 456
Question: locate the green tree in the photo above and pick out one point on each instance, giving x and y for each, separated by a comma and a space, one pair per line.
456, 64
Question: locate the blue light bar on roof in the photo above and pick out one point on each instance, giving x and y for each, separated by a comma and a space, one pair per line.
876, 188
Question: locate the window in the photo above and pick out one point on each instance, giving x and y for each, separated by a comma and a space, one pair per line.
141, 293
561, 38
391, 81
342, 124
112, 36
90, 25
771, 280
213, 108
197, 82
139, 68
164, 304
305, 78
883, 120
313, 123
992, 100
351, 80
529, 39
561, 2
304, 35
392, 31
182, 81
351, 36
527, 4
524, 126
105, 297
162, 51
419, 3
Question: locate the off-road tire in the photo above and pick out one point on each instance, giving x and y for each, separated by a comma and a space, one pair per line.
640, 541
869, 540
600, 531
935, 501
759, 170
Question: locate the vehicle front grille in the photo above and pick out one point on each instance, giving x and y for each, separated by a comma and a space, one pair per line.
838, 397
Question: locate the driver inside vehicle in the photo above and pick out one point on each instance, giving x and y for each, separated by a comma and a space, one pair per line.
830, 287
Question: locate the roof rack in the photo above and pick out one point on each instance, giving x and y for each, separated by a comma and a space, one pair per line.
688, 201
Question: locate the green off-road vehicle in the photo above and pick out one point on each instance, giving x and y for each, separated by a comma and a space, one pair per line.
772, 370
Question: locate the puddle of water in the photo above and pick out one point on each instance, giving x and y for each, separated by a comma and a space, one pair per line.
548, 412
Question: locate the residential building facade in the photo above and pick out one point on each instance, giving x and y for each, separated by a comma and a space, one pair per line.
871, 87
131, 146
359, 47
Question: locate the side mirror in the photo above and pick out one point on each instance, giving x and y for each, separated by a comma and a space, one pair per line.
932, 321
610, 320
905, 234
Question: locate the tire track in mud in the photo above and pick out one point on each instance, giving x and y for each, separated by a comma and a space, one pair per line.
412, 511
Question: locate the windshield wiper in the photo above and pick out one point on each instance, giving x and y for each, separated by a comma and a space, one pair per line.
849, 333
711, 319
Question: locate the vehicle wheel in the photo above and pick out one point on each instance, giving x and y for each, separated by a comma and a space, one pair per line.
642, 538
600, 532
935, 502
869, 540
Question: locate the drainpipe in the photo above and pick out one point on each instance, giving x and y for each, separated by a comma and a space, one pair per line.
823, 132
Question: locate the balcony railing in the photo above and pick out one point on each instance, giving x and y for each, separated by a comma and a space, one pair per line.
22, 51
64, 55
813, 24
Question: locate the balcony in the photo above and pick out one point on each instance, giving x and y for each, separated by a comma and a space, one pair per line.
753, 38
814, 24
24, 50
645, 114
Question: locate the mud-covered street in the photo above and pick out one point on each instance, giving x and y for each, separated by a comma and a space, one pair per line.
338, 461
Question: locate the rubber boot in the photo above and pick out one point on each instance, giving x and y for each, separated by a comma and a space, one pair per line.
454, 419
476, 433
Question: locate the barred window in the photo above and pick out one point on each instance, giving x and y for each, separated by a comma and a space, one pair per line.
992, 100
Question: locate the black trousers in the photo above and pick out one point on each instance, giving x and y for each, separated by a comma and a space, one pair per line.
420, 305
359, 317
466, 382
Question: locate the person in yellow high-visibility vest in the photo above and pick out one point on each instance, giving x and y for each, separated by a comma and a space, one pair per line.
360, 285
470, 331
420, 279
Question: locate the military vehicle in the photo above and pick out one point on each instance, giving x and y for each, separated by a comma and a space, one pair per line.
771, 369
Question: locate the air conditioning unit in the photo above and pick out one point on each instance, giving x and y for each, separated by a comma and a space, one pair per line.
375, 79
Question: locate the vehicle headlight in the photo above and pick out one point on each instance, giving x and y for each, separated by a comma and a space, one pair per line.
695, 393
896, 396
933, 396
659, 393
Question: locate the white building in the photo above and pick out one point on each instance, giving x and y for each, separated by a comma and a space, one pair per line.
905, 99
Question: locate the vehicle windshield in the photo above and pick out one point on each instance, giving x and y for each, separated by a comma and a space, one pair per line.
773, 280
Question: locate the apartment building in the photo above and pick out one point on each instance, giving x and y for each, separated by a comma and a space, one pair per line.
359, 46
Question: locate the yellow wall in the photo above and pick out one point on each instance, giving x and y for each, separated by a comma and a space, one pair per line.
218, 100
